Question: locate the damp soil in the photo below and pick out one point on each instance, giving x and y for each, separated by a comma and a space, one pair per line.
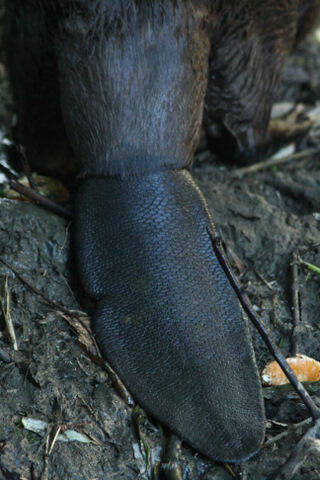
263, 218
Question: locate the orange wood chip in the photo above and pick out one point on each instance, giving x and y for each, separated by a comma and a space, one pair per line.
306, 369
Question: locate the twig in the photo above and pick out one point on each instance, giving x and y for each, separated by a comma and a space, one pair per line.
295, 426
119, 385
42, 200
229, 469
26, 167
271, 162
99, 423
33, 288
11, 175
86, 339
257, 322
274, 309
5, 307
58, 429
312, 268
264, 280
51, 303
32, 192
234, 257
301, 451
295, 305
44, 475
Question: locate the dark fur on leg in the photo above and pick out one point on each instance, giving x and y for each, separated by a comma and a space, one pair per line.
133, 83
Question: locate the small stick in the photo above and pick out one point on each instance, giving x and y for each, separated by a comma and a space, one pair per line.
301, 451
257, 322
5, 307
295, 426
33, 193
119, 385
229, 469
44, 475
42, 200
11, 175
311, 268
99, 422
56, 305
54, 439
295, 305
26, 168
274, 310
122, 391
271, 162
264, 280
35, 290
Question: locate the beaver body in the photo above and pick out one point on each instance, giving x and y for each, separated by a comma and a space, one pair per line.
120, 87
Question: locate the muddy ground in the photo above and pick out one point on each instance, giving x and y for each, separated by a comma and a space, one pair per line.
263, 217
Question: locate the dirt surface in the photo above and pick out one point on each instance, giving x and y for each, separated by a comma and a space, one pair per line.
263, 217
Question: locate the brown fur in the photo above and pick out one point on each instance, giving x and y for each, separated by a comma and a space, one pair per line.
124, 82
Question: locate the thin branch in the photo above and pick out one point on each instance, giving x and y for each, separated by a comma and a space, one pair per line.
119, 385
264, 280
302, 450
51, 303
34, 289
122, 391
26, 167
295, 305
281, 435
5, 307
11, 175
257, 322
32, 192
271, 162
42, 200
311, 268
58, 429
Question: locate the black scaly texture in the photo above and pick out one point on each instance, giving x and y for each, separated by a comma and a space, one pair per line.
166, 318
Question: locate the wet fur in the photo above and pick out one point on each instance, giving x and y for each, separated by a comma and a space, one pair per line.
147, 115
124, 82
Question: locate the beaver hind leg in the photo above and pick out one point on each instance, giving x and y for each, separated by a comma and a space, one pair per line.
132, 82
